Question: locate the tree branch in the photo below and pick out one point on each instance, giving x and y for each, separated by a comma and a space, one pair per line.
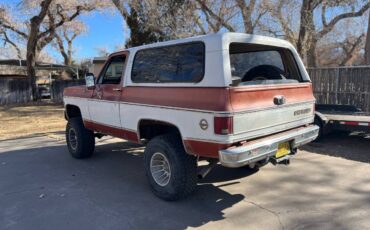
121, 8
349, 48
61, 47
205, 8
323, 15
340, 17
46, 40
64, 19
12, 28
7, 40
284, 24
200, 25
258, 19
246, 14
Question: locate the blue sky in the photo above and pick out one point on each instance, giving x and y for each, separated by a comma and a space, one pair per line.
104, 30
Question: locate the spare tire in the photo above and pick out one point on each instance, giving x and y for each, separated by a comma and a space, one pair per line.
264, 72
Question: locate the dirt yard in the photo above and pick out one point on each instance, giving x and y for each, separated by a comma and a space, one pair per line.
20, 121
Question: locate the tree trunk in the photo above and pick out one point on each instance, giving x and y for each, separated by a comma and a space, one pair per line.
306, 43
311, 55
246, 12
302, 28
69, 61
31, 57
367, 44
33, 38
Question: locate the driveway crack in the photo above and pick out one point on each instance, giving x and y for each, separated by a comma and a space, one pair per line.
276, 214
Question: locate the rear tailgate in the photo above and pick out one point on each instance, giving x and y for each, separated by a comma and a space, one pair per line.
256, 114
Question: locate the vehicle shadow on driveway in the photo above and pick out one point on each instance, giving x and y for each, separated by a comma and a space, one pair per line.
341, 144
45, 187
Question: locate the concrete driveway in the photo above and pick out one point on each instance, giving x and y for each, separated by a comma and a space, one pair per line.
42, 187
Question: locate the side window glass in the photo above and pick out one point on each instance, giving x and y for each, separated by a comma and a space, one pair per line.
113, 71
175, 63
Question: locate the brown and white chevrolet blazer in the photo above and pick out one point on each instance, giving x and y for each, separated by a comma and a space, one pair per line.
239, 99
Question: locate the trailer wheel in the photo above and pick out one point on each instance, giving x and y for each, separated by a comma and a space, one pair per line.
171, 172
80, 141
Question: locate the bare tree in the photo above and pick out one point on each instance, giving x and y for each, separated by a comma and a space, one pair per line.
103, 51
367, 44
4, 36
247, 11
66, 35
283, 22
132, 12
4, 19
218, 14
40, 29
347, 52
351, 47
310, 29
224, 14
158, 20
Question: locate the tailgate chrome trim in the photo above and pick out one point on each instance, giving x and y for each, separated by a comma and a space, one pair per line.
241, 112
264, 148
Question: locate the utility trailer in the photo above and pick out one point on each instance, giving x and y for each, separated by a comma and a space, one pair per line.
341, 118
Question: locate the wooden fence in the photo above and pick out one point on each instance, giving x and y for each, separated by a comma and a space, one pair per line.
15, 90
58, 86
343, 85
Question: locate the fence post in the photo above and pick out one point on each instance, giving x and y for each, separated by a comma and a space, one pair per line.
336, 85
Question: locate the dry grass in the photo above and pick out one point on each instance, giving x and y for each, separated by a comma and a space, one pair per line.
20, 121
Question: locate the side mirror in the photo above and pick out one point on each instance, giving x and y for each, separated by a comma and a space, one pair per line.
90, 81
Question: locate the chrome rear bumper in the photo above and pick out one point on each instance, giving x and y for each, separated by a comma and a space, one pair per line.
264, 148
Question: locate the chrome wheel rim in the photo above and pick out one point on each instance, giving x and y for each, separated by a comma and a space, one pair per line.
160, 169
72, 138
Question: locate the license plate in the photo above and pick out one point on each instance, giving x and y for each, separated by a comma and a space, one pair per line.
283, 149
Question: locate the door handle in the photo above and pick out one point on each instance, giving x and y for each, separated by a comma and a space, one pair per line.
116, 89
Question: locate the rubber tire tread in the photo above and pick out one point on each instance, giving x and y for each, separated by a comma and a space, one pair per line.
183, 166
85, 139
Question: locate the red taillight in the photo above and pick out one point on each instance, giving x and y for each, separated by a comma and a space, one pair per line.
223, 125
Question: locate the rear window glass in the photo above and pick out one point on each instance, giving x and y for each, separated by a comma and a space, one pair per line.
177, 63
243, 62
251, 65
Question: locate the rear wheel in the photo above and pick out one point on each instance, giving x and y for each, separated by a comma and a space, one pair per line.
80, 141
171, 172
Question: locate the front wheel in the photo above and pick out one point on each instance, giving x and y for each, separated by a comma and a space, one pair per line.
80, 141
171, 172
